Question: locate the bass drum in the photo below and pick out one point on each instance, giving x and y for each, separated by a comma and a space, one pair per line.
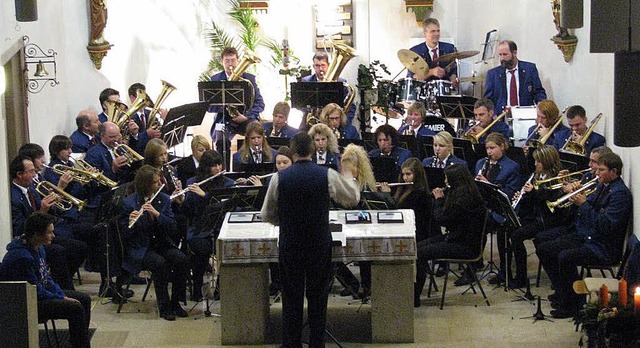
411, 90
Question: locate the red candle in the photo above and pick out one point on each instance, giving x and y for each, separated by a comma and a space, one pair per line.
636, 301
622, 292
604, 296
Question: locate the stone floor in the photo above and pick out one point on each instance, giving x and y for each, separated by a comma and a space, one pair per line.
465, 321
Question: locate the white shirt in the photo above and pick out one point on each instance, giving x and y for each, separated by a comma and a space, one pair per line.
508, 74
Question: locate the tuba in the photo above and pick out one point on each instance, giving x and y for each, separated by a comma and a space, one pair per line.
341, 55
167, 88
123, 117
476, 138
248, 58
66, 201
114, 109
578, 147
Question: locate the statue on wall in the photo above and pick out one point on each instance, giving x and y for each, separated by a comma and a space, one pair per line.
98, 46
563, 39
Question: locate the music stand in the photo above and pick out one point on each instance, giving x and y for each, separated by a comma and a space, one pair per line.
275, 142
310, 96
408, 142
435, 177
573, 162
223, 94
258, 168
241, 196
179, 118
342, 143
384, 169
456, 106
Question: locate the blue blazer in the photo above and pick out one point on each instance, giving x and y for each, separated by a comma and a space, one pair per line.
143, 138
138, 239
352, 109
253, 114
100, 158
332, 160
432, 161
602, 220
443, 48
238, 160
530, 92
348, 132
423, 131
594, 140
80, 142
398, 154
20, 208
499, 127
555, 137
286, 132
505, 174
102, 117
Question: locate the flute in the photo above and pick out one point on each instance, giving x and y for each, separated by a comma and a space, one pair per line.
522, 192
378, 184
141, 211
185, 190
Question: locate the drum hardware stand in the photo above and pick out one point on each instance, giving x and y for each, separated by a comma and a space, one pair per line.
527, 296
538, 315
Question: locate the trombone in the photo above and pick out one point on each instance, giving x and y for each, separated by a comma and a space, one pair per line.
141, 211
563, 202
538, 143
579, 147
538, 183
66, 201
476, 138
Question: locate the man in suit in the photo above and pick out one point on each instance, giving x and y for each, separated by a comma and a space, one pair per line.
85, 136
387, 137
298, 201
108, 94
320, 67
139, 131
483, 114
103, 156
236, 123
577, 119
279, 128
515, 82
595, 237
430, 50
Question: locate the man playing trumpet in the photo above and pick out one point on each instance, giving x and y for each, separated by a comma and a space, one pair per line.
577, 119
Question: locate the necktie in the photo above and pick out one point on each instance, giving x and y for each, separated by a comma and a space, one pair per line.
435, 56
320, 158
256, 156
513, 89
440, 164
93, 141
143, 120
32, 200
488, 173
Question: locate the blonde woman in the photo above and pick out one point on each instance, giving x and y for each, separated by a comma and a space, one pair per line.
333, 116
355, 160
326, 144
255, 148
186, 168
442, 152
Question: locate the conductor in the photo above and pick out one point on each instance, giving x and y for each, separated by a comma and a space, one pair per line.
298, 200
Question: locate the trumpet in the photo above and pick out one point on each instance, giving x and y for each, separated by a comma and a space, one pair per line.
538, 183
564, 202
185, 190
96, 175
78, 175
393, 184
128, 153
66, 201
141, 211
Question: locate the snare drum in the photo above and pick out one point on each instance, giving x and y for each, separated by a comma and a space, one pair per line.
438, 88
411, 90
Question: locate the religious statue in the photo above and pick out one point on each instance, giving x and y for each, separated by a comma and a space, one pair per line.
98, 21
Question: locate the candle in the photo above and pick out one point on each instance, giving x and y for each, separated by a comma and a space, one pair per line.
622, 292
604, 296
636, 301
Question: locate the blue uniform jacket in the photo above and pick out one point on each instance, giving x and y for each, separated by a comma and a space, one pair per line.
529, 93
443, 48
238, 160
398, 154
506, 174
594, 140
80, 142
252, 114
555, 137
286, 132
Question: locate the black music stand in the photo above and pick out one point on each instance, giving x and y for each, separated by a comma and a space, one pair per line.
242, 196
456, 106
311, 96
435, 177
276, 142
408, 142
498, 202
223, 94
384, 169
258, 168
462, 148
342, 143
573, 162
179, 118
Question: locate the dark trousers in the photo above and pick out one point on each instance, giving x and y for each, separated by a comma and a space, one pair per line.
64, 257
561, 258
161, 263
201, 250
436, 247
518, 237
78, 314
301, 270
549, 235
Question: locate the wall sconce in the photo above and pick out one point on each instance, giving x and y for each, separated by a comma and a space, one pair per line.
44, 64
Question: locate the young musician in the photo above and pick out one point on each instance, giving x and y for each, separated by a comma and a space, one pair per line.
484, 115
26, 261
139, 130
387, 137
255, 148
533, 212
156, 155
279, 128
443, 152
326, 146
186, 168
147, 244
547, 116
414, 124
577, 119
461, 211
333, 116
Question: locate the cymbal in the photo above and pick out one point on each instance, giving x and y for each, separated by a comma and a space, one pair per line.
413, 62
472, 79
457, 55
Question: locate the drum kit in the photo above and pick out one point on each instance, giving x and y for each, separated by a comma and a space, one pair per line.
400, 94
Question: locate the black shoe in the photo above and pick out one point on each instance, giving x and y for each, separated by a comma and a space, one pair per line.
563, 313
168, 315
517, 283
464, 280
366, 293
416, 302
178, 310
498, 279
557, 305
348, 291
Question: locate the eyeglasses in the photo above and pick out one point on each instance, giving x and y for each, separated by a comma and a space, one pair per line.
334, 118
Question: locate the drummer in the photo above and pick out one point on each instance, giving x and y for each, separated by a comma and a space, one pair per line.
430, 50
414, 124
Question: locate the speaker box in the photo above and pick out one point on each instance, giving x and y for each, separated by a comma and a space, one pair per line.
571, 13
626, 118
26, 10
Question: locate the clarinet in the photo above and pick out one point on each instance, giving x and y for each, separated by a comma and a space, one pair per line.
485, 166
434, 162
